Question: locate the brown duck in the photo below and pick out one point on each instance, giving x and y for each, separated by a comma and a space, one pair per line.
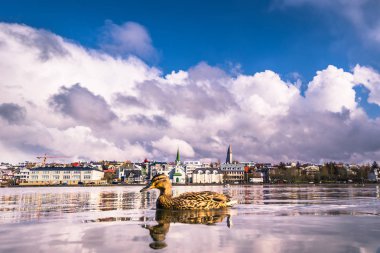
205, 200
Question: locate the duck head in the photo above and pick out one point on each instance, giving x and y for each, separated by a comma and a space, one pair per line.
160, 182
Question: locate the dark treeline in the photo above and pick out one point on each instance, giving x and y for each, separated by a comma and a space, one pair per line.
330, 172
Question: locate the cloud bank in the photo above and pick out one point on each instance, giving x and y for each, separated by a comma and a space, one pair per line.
60, 98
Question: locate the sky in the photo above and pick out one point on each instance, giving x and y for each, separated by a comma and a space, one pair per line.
280, 80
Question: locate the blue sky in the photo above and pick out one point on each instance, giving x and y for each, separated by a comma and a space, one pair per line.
259, 35
297, 78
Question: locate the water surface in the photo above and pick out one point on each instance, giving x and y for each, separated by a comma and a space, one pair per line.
338, 218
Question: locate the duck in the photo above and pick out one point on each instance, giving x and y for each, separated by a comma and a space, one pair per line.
164, 217
205, 200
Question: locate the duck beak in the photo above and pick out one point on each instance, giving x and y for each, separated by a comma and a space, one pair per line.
146, 188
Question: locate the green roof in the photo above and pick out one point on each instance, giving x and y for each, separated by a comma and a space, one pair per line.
177, 174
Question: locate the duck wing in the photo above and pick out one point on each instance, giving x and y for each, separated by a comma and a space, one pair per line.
204, 196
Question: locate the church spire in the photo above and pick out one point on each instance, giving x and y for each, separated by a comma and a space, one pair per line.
229, 155
177, 159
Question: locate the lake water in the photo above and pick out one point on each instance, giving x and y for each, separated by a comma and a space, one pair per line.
340, 218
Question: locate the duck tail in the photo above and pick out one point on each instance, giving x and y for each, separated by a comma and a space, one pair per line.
231, 202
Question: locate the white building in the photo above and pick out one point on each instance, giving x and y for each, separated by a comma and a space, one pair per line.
23, 175
207, 176
190, 166
64, 175
374, 175
233, 172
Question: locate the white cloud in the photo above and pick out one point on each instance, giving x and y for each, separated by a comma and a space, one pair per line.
371, 80
57, 97
178, 78
169, 146
128, 38
332, 90
264, 93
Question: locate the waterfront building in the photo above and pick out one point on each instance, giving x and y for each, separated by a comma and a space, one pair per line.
22, 176
374, 175
51, 175
130, 173
207, 176
311, 170
6, 174
155, 168
233, 172
190, 166
177, 173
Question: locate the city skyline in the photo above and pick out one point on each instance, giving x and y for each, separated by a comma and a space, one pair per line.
278, 81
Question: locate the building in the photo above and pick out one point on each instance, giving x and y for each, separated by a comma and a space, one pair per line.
155, 168
233, 172
256, 177
190, 166
64, 175
374, 175
177, 173
22, 176
130, 173
207, 176
311, 170
6, 175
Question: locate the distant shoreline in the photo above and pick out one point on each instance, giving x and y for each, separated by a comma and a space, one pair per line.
182, 185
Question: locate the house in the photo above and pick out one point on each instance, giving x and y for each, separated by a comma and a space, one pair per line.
54, 175
311, 170
130, 173
6, 174
374, 175
155, 168
207, 176
22, 175
190, 166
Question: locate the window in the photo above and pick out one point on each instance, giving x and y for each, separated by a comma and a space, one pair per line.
87, 172
87, 177
66, 177
76, 171
45, 176
45, 172
76, 177
34, 177
66, 172
56, 177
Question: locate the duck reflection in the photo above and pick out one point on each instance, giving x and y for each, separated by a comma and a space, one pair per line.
164, 217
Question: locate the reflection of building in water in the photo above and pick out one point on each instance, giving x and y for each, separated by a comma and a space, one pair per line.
249, 194
124, 200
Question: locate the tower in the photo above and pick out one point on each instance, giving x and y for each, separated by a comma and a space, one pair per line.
229, 155
177, 159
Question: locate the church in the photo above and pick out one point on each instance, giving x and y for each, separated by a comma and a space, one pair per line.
177, 174
233, 172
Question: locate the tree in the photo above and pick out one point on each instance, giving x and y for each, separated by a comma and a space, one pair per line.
109, 176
